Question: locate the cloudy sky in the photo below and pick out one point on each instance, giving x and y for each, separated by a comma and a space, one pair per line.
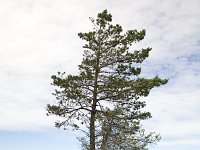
39, 38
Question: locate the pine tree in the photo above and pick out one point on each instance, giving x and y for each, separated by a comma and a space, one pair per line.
104, 96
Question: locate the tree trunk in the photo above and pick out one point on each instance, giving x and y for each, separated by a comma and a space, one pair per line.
93, 112
94, 102
92, 128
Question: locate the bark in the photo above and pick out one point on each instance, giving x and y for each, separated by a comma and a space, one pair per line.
94, 102
92, 127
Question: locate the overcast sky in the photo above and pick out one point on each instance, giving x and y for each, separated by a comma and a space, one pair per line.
39, 38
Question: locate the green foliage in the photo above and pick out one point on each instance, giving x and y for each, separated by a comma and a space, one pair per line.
104, 96
121, 129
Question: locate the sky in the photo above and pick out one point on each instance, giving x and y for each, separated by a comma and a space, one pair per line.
39, 38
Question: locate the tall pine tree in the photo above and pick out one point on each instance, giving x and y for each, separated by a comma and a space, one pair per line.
104, 96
